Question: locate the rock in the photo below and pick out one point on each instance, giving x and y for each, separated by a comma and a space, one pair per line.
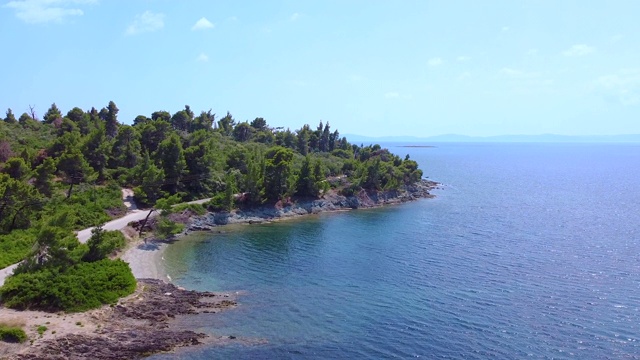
136, 328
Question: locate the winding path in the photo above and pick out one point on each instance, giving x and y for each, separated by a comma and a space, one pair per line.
133, 214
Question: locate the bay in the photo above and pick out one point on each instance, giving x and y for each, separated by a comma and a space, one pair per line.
528, 250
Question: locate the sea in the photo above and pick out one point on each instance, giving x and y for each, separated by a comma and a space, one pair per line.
528, 250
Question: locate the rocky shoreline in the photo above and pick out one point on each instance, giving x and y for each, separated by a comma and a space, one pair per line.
330, 202
138, 326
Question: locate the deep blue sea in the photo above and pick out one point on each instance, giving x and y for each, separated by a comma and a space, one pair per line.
528, 251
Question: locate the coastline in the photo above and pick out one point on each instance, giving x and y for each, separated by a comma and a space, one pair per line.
141, 324
147, 259
331, 202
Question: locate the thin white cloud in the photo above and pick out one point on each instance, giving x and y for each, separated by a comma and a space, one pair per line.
202, 24
146, 22
435, 61
579, 50
392, 95
202, 57
625, 84
45, 11
505, 28
294, 17
463, 58
532, 52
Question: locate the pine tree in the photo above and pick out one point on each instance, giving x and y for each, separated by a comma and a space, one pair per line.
151, 179
52, 114
172, 159
111, 120
44, 174
10, 118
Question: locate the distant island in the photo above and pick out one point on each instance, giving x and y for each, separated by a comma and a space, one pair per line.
542, 138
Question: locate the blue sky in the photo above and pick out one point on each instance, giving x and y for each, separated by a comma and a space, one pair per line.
369, 67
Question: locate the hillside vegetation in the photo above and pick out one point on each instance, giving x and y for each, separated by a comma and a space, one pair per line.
64, 172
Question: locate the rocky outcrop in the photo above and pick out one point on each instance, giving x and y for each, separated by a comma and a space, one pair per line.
330, 202
138, 326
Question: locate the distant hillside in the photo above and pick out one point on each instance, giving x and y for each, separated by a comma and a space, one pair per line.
500, 138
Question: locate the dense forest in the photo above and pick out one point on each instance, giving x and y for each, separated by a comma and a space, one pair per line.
64, 172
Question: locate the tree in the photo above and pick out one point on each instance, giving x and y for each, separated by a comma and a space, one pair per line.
140, 119
126, 148
161, 115
63, 143
54, 244
16, 168
111, 120
172, 159
259, 124
204, 121
74, 168
303, 140
52, 114
151, 179
96, 151
324, 138
371, 178
44, 174
180, 121
306, 184
226, 124
25, 119
153, 133
242, 132
102, 243
254, 180
10, 118
76, 115
201, 162
278, 175
81, 119
18, 202
189, 112
229, 192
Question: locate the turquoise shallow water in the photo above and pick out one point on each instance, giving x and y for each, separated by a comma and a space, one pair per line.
530, 250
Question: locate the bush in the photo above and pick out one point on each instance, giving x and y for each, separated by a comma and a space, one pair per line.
12, 334
103, 243
41, 329
166, 228
15, 246
80, 287
197, 209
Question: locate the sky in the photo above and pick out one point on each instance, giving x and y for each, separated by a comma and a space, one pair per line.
368, 67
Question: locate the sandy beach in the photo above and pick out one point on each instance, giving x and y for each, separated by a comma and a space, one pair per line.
146, 259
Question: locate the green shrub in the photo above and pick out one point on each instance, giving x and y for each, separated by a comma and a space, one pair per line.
197, 209
15, 246
80, 287
217, 202
167, 228
12, 334
41, 329
103, 243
